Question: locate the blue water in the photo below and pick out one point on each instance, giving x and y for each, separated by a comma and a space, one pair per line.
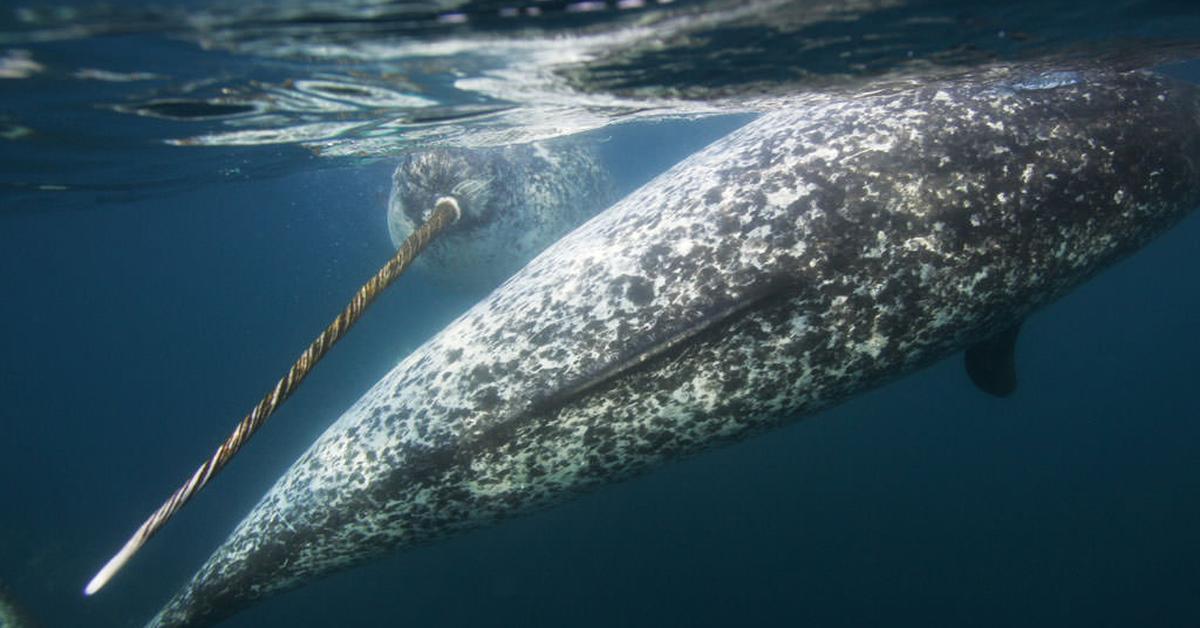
137, 326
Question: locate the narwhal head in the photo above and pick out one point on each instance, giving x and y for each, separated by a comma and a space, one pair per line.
470, 176
488, 185
515, 201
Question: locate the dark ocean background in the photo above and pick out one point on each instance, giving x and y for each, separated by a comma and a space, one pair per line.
136, 328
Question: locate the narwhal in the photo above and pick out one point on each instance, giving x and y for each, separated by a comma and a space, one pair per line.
817, 252
514, 201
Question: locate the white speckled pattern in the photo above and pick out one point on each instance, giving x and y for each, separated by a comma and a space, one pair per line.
814, 253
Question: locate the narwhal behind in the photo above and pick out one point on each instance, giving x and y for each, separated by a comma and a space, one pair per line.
815, 253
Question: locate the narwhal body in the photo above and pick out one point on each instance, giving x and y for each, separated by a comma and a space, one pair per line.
817, 252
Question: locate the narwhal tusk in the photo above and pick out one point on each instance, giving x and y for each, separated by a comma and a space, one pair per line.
445, 212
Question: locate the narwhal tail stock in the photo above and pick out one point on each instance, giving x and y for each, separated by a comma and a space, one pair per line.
446, 211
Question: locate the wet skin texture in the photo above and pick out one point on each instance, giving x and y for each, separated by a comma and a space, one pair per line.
821, 250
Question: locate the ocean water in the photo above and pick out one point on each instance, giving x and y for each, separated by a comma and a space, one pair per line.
190, 192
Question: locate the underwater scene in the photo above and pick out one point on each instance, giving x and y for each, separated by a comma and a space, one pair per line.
607, 313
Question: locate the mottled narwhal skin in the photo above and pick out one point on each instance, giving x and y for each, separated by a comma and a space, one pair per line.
816, 252
515, 201
12, 615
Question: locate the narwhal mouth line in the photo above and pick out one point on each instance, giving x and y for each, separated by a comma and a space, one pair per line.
470, 188
471, 196
469, 193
